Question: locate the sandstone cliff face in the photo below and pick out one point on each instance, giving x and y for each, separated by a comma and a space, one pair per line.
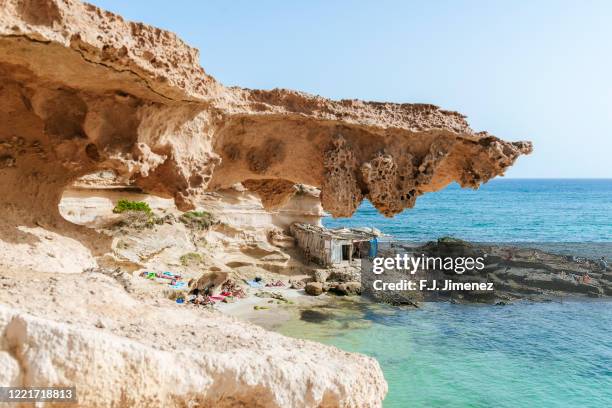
84, 90
243, 237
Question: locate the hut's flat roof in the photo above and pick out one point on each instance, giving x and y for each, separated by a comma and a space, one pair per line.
348, 234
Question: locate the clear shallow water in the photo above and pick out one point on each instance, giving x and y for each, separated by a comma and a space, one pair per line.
444, 355
502, 210
521, 355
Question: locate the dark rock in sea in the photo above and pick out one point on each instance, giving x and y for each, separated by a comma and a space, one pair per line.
314, 316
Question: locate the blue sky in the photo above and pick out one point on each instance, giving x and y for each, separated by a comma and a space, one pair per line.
536, 70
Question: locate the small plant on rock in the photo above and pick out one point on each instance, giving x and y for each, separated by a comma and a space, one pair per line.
127, 205
137, 215
190, 258
199, 220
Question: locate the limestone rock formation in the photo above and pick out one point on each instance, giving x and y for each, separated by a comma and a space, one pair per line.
83, 90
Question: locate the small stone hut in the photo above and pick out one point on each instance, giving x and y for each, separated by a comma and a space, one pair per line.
332, 247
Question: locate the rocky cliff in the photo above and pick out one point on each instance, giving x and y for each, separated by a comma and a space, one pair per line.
83, 91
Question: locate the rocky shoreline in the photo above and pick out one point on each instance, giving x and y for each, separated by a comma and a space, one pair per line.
527, 271
508, 272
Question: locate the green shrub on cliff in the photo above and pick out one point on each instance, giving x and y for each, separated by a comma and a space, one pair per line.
127, 205
137, 215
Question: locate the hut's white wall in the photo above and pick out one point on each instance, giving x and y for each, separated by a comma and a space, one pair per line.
315, 246
336, 252
323, 247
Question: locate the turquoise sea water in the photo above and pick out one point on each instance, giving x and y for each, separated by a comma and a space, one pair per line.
445, 355
503, 210
556, 354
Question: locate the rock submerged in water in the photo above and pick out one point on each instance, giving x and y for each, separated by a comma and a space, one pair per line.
314, 316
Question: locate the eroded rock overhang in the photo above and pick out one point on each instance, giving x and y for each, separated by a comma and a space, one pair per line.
83, 90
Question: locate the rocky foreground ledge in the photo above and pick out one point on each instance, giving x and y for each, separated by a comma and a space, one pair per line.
84, 91
107, 336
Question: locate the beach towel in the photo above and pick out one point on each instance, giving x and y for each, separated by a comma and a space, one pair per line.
254, 284
217, 298
169, 275
179, 285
